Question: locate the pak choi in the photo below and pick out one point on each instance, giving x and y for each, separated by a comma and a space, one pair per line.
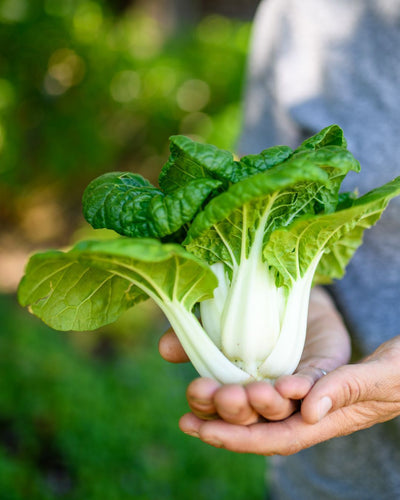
246, 239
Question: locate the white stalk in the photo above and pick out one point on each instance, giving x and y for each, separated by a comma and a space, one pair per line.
250, 321
211, 310
205, 356
287, 352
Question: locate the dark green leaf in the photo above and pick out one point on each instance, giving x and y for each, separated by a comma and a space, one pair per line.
254, 164
329, 136
337, 162
169, 213
120, 201
192, 160
131, 206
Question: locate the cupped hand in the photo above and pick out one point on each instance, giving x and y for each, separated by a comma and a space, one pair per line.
348, 399
327, 347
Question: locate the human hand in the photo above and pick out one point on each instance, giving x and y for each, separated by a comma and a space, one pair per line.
326, 348
348, 399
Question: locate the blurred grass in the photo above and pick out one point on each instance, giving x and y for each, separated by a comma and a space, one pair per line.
79, 423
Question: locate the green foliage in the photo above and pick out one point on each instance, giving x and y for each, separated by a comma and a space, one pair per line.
293, 249
68, 293
77, 424
82, 90
131, 206
265, 223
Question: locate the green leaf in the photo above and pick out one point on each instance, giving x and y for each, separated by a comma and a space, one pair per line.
336, 162
335, 259
131, 206
228, 225
346, 200
120, 201
329, 136
192, 160
254, 164
92, 284
169, 213
335, 236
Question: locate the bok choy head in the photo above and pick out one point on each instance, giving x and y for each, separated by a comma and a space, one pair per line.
246, 239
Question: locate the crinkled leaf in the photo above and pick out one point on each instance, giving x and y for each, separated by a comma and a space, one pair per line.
227, 226
337, 163
120, 201
308, 183
329, 136
171, 212
291, 250
256, 163
92, 284
131, 206
332, 142
334, 261
193, 160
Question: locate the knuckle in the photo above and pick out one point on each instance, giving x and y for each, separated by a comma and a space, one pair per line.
352, 389
291, 448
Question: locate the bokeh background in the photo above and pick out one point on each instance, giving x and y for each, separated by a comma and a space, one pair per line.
89, 86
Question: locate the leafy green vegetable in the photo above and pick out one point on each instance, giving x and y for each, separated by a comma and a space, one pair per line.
251, 236
131, 206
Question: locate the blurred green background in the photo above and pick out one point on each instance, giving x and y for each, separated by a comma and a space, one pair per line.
88, 86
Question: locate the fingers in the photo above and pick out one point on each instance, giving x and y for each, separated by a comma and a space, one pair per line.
233, 406
170, 348
200, 396
268, 402
208, 400
297, 386
271, 438
237, 404
344, 387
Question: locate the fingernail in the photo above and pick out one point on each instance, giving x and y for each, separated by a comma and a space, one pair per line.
194, 434
324, 405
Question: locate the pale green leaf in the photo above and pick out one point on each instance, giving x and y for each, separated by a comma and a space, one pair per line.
92, 284
291, 250
226, 229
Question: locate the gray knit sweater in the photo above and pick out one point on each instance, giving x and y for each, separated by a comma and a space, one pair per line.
314, 63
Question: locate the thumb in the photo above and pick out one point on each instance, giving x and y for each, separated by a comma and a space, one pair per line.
171, 349
342, 387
